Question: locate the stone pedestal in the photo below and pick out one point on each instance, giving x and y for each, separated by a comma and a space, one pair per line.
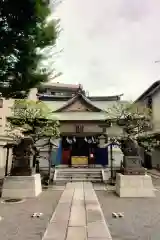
132, 166
22, 186
134, 185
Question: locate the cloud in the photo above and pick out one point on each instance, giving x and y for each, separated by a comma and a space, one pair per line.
110, 46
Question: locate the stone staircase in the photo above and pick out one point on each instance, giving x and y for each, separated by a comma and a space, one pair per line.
64, 175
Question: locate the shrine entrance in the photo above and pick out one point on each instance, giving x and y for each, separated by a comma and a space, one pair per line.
79, 150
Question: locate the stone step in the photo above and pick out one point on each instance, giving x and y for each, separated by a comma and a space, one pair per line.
79, 179
79, 169
78, 174
70, 175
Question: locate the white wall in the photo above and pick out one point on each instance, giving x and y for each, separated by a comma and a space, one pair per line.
156, 159
5, 111
117, 156
156, 111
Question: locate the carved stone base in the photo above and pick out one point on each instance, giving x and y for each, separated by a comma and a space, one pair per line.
133, 171
22, 186
132, 166
134, 186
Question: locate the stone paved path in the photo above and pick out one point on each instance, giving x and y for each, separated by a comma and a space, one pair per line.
78, 216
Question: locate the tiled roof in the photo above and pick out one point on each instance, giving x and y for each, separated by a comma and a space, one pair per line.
105, 105
150, 91
79, 96
109, 113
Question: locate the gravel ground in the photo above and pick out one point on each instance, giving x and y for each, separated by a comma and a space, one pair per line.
17, 223
141, 215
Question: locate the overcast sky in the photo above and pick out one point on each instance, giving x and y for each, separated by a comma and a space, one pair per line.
110, 46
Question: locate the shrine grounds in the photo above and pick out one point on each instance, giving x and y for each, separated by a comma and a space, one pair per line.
141, 219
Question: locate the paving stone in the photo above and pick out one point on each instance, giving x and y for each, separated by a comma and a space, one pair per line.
78, 203
74, 185
78, 216
76, 233
98, 230
87, 185
67, 196
56, 231
78, 195
99, 238
61, 215
93, 216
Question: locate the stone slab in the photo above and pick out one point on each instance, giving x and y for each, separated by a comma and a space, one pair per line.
78, 194
98, 230
74, 185
22, 186
93, 216
96, 225
76, 233
87, 185
59, 215
67, 196
97, 238
56, 231
78, 216
134, 186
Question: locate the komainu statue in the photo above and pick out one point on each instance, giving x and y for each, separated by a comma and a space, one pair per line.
132, 161
23, 155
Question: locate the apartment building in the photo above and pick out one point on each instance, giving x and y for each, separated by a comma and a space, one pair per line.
151, 99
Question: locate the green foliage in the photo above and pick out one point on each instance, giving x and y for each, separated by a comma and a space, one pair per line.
149, 141
134, 118
24, 32
34, 118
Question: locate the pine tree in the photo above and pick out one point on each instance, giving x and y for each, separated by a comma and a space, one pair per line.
24, 32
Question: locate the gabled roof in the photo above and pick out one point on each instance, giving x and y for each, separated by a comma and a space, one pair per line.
150, 91
79, 96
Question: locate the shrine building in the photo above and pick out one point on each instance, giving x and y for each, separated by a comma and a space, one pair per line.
86, 123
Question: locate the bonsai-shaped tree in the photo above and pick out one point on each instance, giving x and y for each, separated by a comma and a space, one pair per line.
35, 119
135, 120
